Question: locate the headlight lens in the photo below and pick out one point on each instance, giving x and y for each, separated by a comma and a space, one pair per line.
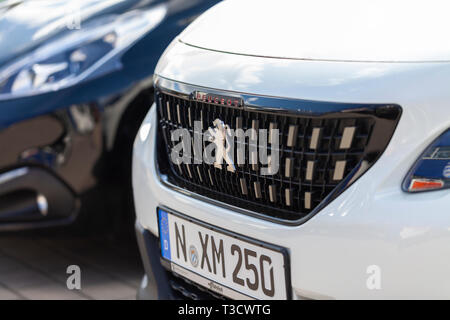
432, 170
78, 55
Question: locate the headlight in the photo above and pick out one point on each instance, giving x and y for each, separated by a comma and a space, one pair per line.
432, 170
78, 55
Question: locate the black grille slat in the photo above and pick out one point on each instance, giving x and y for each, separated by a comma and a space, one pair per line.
226, 186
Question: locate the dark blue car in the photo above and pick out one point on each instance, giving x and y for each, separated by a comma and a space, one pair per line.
75, 84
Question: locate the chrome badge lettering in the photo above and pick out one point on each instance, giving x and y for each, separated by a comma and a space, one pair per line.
217, 99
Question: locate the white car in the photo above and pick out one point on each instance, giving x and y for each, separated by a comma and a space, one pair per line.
351, 102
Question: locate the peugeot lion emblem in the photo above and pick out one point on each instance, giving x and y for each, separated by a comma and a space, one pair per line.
222, 137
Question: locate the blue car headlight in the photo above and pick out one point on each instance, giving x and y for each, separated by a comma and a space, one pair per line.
78, 55
432, 170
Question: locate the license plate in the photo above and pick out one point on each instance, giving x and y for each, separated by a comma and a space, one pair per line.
221, 261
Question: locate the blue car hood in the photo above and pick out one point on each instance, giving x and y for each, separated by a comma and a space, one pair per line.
26, 24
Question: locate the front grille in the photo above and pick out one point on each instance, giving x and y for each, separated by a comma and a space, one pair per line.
320, 154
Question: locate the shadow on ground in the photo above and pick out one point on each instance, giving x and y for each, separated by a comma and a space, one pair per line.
33, 264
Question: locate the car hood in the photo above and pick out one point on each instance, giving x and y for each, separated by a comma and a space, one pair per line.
25, 24
347, 30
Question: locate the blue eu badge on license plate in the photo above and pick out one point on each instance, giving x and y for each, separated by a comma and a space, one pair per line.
164, 234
